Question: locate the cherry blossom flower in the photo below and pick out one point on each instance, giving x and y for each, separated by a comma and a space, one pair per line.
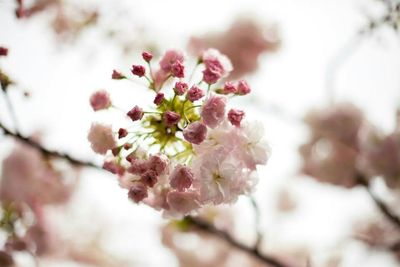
181, 178
213, 110
185, 153
100, 100
101, 138
217, 66
182, 202
235, 116
194, 93
195, 132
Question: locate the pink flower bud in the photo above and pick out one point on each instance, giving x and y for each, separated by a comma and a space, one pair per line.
235, 116
137, 192
135, 113
138, 70
180, 88
116, 75
243, 88
158, 164
194, 93
169, 59
3, 51
100, 100
149, 178
171, 118
195, 132
217, 66
101, 138
178, 70
212, 74
138, 166
113, 167
229, 88
181, 178
213, 110
122, 133
159, 98
147, 56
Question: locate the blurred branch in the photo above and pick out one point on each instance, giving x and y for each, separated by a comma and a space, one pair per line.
257, 217
253, 251
11, 109
390, 215
46, 151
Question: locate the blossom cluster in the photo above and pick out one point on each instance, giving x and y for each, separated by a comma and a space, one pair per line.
344, 148
188, 150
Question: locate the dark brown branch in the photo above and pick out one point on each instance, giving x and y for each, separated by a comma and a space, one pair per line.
390, 215
46, 151
211, 229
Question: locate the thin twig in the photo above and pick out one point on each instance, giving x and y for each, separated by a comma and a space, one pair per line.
211, 229
257, 217
390, 215
46, 151
11, 110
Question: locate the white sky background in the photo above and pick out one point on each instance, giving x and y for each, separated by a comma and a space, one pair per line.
62, 77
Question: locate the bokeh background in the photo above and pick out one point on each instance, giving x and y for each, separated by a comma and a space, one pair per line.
319, 52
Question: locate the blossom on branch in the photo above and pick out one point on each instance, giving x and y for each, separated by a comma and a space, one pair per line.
185, 152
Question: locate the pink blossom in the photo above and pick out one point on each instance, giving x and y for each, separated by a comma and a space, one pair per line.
229, 88
136, 113
138, 70
178, 70
100, 100
194, 93
101, 138
169, 59
171, 118
219, 177
180, 88
116, 75
182, 202
28, 177
138, 166
235, 116
149, 178
113, 167
158, 163
213, 110
195, 132
159, 98
147, 56
217, 66
137, 192
243, 42
181, 178
243, 88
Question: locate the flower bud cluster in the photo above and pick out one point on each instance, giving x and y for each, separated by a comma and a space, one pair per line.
190, 150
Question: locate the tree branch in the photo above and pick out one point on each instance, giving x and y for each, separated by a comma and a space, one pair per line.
390, 215
46, 151
253, 251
